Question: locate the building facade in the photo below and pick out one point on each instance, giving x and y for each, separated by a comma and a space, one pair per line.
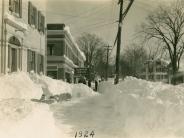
63, 54
23, 36
155, 70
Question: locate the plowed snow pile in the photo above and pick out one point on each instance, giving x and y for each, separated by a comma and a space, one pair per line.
54, 87
146, 109
21, 118
19, 85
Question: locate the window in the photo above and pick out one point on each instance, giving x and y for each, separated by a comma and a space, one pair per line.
39, 63
158, 77
32, 15
14, 54
36, 18
52, 74
29, 12
55, 26
66, 50
31, 60
41, 22
50, 50
15, 6
35, 22
56, 36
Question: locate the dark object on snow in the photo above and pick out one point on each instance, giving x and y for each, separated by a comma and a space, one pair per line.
43, 97
54, 98
82, 80
65, 97
89, 83
49, 101
96, 85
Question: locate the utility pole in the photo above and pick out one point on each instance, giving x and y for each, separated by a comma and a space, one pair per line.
116, 81
107, 61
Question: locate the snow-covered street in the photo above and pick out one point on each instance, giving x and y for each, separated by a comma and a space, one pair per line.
132, 112
132, 109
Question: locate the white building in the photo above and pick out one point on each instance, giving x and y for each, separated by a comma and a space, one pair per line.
156, 70
22, 37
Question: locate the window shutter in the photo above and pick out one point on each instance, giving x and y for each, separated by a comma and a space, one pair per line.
36, 18
32, 15
20, 8
39, 21
11, 5
43, 24
29, 12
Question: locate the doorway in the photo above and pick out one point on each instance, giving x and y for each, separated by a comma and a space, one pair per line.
14, 57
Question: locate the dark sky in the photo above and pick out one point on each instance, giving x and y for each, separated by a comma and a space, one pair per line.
99, 17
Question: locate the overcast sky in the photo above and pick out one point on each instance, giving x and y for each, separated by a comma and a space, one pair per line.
99, 17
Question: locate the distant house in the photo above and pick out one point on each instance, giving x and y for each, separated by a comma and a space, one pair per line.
22, 37
179, 78
155, 70
63, 53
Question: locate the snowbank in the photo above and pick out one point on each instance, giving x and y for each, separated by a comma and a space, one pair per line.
57, 87
145, 109
19, 85
21, 118
153, 90
27, 86
24, 119
81, 90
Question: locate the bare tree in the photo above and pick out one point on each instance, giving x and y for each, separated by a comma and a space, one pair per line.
89, 44
166, 25
132, 61
100, 62
155, 51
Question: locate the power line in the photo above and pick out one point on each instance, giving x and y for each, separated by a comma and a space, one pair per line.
112, 11
60, 13
97, 24
100, 25
87, 14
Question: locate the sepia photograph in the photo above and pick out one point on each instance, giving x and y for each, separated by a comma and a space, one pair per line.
91, 68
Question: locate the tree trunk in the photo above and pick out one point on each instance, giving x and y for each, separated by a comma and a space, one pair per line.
174, 67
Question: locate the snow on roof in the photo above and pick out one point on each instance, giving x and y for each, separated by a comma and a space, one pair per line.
164, 60
67, 29
157, 59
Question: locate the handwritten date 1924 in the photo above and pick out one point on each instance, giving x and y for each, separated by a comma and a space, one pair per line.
84, 134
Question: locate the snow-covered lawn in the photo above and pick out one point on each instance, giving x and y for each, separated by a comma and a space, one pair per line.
132, 109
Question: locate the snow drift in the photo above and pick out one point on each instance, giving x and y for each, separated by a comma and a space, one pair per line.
145, 109
19, 85
24, 119
22, 85
21, 118
56, 87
